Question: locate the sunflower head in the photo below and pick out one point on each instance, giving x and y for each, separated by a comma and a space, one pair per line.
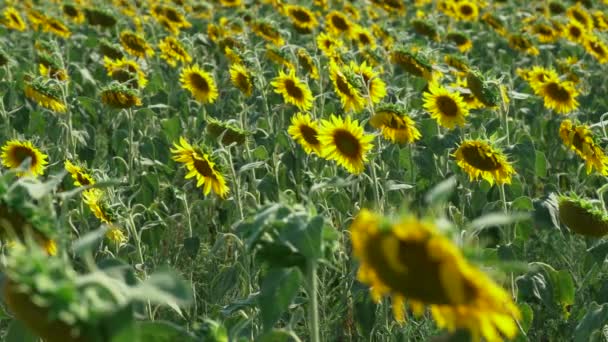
100, 16
109, 49
228, 133
135, 44
200, 84
294, 90
425, 28
345, 142
242, 78
12, 19
523, 43
485, 91
461, 40
448, 108
479, 158
305, 131
580, 139
559, 95
45, 93
582, 217
412, 62
394, 123
79, 174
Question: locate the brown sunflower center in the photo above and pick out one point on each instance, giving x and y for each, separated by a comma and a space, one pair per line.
199, 82
597, 48
21, 153
466, 9
395, 122
57, 26
14, 18
82, 179
203, 168
134, 43
70, 10
343, 85
364, 38
242, 81
172, 15
293, 89
480, 158
309, 134
347, 144
301, 15
340, 23
557, 92
447, 106
580, 17
575, 31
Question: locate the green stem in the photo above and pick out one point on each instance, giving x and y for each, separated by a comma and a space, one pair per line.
313, 307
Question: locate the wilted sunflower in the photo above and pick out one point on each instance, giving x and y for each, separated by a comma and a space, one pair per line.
467, 96
457, 63
582, 217
579, 138
466, 10
109, 49
376, 88
345, 142
79, 174
73, 13
241, 78
294, 90
425, 28
348, 87
480, 159
119, 96
268, 31
559, 95
229, 133
305, 131
201, 167
303, 19
13, 20
56, 27
461, 40
596, 48
306, 62
45, 95
328, 45
338, 23
411, 62
410, 260
97, 202
394, 123
135, 44
16, 152
200, 84
172, 51
444, 106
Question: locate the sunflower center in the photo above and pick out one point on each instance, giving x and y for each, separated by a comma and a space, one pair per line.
364, 39
466, 9
199, 82
309, 134
134, 43
339, 23
301, 16
575, 31
21, 153
69, 10
343, 85
395, 122
557, 92
597, 48
580, 17
447, 106
347, 144
172, 15
82, 179
242, 81
293, 89
480, 158
203, 168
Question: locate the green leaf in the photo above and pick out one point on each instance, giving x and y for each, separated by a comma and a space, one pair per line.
277, 335
192, 245
308, 239
552, 287
441, 192
540, 164
599, 252
260, 153
161, 331
17, 332
89, 241
164, 287
279, 288
594, 320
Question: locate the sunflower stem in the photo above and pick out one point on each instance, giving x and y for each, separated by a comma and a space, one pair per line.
237, 191
313, 307
379, 206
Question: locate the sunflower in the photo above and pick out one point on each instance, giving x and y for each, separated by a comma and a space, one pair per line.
522, 43
16, 152
172, 51
306, 62
79, 174
305, 131
376, 88
461, 85
241, 78
559, 95
116, 235
596, 48
458, 63
51, 67
545, 33
345, 142
328, 45
412, 62
303, 19
294, 90
56, 27
348, 87
580, 139
135, 44
125, 71
447, 108
230, 3
119, 96
480, 159
45, 95
99, 16
579, 14
410, 259
495, 23
200, 84
73, 13
200, 166
96, 200
582, 217
228, 133
267, 31
537, 76
425, 28
574, 31
338, 23
466, 10
109, 49
395, 125
461, 40
36, 18
363, 37
13, 20
278, 56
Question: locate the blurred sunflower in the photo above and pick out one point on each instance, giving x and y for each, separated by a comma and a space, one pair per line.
36, 18
596, 48
201, 167
99, 16
305, 131
537, 76
461, 40
545, 33
345, 142
582, 217
338, 24
559, 95
306, 62
574, 31
363, 37
96, 200
425, 28
329, 45
227, 132
412, 62
116, 235
51, 67
79, 174
495, 23
135, 44
461, 85
200, 84
348, 88
241, 78
278, 56
16, 152
172, 51
410, 260
522, 43
580, 15
13, 20
294, 90
303, 19
56, 27
267, 31
395, 125
45, 95
376, 88
466, 10
580, 139
119, 96
231, 3
444, 106
73, 13
479, 158
125, 71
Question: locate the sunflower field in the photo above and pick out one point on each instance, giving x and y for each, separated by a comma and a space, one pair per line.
314, 170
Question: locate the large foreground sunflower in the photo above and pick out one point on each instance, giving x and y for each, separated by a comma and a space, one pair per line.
345, 142
480, 159
200, 83
579, 138
409, 259
395, 124
559, 95
16, 152
444, 106
201, 167
293, 90
305, 132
